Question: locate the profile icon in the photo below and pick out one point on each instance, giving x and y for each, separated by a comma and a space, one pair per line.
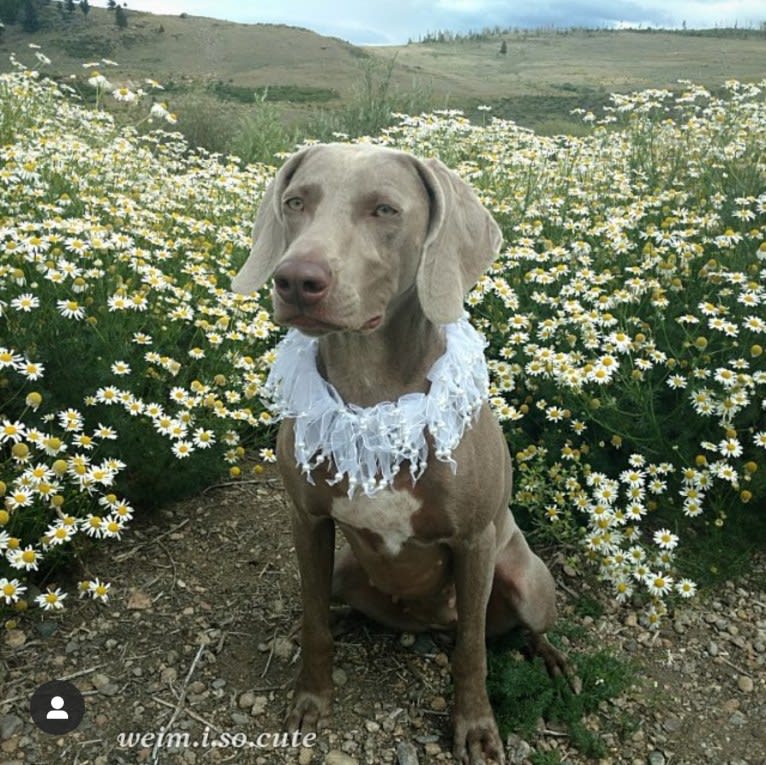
57, 707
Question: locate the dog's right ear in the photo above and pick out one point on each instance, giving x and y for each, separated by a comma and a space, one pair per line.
268, 232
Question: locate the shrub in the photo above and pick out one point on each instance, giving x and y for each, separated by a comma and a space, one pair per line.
128, 370
625, 318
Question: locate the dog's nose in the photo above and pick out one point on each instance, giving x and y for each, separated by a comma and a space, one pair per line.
301, 282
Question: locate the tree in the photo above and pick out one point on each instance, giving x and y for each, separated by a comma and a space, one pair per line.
503, 48
120, 17
111, 5
69, 5
29, 20
9, 11
84, 7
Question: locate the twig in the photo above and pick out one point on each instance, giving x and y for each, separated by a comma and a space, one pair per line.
734, 666
191, 713
271, 655
66, 677
181, 699
141, 545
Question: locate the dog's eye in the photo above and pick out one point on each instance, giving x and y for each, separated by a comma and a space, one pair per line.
385, 211
294, 203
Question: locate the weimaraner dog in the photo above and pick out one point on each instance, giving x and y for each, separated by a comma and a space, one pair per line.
372, 252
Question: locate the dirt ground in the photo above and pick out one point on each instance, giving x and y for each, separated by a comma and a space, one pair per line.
196, 653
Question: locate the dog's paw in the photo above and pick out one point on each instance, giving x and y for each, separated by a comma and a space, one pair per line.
477, 741
309, 713
555, 662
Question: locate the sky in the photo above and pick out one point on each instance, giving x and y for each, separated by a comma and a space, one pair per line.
394, 22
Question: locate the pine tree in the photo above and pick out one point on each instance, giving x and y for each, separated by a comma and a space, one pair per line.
9, 11
84, 7
29, 20
120, 17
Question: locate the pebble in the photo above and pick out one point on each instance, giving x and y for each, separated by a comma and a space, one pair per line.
745, 684
407, 639
336, 757
305, 756
339, 676
656, 758
259, 706
246, 700
9, 724
406, 754
438, 703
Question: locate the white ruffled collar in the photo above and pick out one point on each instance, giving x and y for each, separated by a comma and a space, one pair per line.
368, 445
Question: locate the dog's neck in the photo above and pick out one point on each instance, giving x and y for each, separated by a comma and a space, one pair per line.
383, 365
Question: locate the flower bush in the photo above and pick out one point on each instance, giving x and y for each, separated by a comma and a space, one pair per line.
128, 371
624, 318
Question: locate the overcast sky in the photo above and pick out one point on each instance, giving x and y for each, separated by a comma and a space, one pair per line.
396, 21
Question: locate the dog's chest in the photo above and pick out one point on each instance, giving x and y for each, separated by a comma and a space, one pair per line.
387, 514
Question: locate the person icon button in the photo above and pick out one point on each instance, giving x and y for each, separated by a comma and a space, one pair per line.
57, 710
57, 707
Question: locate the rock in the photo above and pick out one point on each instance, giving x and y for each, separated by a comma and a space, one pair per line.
407, 639
139, 601
372, 726
339, 676
169, 675
433, 748
9, 724
305, 756
518, 749
15, 638
656, 758
745, 684
283, 648
246, 700
438, 703
336, 757
406, 754
738, 719
259, 706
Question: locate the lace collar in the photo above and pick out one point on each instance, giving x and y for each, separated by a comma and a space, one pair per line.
368, 445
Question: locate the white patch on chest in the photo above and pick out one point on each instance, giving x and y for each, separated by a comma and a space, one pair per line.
387, 513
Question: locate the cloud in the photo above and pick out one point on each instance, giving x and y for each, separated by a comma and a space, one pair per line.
396, 21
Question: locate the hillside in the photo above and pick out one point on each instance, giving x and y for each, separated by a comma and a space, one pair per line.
542, 76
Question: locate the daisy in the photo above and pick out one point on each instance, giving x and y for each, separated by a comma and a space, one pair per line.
11, 590
25, 302
51, 600
686, 588
658, 584
99, 590
70, 309
665, 539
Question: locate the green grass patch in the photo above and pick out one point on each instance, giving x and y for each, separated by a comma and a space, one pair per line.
294, 93
521, 692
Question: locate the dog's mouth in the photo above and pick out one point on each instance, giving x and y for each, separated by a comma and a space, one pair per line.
311, 325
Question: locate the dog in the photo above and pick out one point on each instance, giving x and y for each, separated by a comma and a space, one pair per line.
386, 431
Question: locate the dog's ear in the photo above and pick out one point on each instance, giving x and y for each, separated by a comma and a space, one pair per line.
462, 241
268, 232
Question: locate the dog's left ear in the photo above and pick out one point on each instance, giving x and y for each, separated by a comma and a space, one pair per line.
268, 232
462, 241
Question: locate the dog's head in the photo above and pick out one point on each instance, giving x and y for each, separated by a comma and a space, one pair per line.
347, 230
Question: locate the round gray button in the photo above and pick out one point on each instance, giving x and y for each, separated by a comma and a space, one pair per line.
57, 707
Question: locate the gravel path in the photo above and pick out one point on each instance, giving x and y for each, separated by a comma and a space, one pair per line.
198, 642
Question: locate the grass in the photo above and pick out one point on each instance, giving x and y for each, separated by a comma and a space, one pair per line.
522, 693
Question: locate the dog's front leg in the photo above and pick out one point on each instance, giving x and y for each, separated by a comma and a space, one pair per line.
314, 546
476, 736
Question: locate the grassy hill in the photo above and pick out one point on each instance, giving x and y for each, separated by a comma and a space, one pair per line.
216, 73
